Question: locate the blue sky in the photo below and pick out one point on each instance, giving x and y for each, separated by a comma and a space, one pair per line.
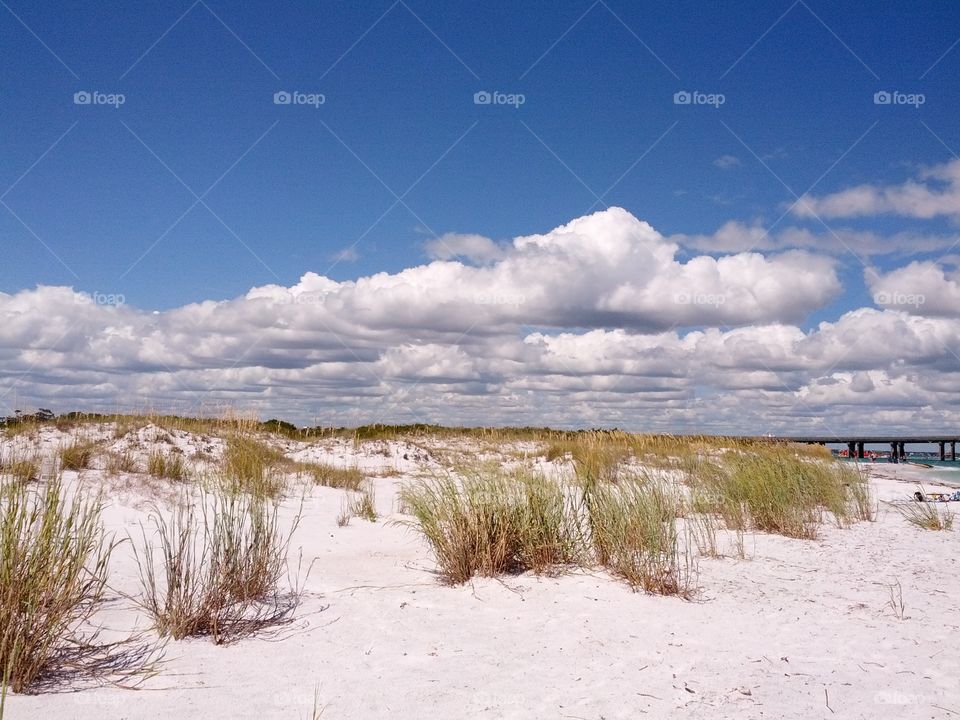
398, 81
200, 187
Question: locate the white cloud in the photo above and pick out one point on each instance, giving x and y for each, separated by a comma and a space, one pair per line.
475, 248
727, 162
348, 254
934, 192
737, 237
594, 322
920, 288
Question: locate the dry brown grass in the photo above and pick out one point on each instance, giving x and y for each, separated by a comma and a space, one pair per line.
22, 467
77, 455
330, 476
926, 515
217, 574
121, 461
170, 465
364, 505
251, 466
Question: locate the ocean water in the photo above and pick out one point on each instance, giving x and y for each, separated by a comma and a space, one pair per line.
946, 472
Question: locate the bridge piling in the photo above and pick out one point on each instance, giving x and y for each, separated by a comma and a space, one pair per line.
856, 444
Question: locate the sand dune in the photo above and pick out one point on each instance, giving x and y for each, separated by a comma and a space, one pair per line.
799, 629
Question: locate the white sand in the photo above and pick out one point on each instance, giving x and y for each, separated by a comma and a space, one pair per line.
798, 625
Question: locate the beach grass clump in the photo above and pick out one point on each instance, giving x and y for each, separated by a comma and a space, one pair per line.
346, 478
595, 454
21, 468
216, 574
491, 523
926, 515
769, 495
121, 461
702, 525
633, 533
549, 523
863, 504
168, 465
53, 573
775, 491
253, 467
77, 455
364, 504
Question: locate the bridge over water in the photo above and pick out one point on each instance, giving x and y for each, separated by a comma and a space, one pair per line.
855, 443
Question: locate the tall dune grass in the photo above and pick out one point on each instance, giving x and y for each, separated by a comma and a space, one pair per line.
596, 454
490, 523
633, 531
217, 574
775, 491
347, 478
21, 467
168, 465
253, 467
77, 455
53, 573
926, 515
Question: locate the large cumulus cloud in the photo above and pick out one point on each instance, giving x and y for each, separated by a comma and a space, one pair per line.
598, 321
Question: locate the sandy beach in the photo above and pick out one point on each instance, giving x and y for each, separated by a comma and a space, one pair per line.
798, 629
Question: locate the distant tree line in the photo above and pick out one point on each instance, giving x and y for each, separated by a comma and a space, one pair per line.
21, 416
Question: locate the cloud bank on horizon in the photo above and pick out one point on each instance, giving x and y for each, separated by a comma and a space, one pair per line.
603, 321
